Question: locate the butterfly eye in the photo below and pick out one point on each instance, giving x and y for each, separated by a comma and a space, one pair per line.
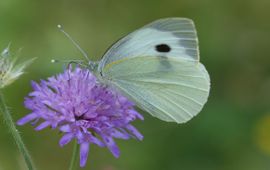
163, 48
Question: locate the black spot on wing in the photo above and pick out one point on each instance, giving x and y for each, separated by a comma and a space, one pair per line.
163, 48
184, 30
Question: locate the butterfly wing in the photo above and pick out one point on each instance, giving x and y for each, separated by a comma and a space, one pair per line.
178, 33
175, 93
169, 84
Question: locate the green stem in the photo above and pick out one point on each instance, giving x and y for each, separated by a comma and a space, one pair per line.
15, 133
73, 162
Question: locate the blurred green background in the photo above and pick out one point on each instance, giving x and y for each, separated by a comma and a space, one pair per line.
231, 133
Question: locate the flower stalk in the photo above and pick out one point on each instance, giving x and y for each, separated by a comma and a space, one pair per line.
15, 133
75, 154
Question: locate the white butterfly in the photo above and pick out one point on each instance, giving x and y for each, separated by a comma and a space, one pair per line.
157, 67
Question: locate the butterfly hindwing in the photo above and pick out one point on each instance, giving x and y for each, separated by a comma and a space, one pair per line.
175, 93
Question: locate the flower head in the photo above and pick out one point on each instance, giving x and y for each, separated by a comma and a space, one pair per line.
75, 103
9, 71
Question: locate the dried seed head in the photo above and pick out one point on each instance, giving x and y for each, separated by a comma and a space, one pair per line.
9, 69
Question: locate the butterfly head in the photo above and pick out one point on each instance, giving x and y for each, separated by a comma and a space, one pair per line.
93, 66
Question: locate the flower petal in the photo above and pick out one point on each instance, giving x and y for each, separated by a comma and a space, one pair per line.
96, 141
112, 146
43, 125
135, 113
117, 134
84, 150
27, 119
134, 131
66, 139
35, 86
65, 128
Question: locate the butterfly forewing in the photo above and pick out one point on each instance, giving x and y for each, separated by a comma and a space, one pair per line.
177, 34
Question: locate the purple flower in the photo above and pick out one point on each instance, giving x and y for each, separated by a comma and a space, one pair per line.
83, 109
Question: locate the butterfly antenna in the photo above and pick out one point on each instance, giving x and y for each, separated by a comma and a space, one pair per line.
73, 42
78, 62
